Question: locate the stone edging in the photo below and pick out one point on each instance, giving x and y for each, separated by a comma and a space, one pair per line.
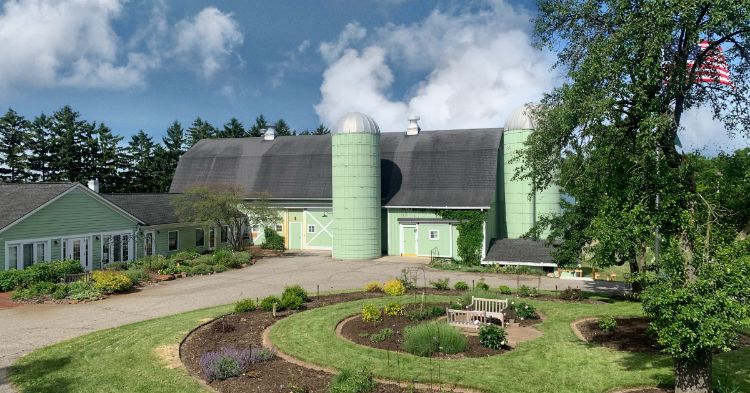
268, 344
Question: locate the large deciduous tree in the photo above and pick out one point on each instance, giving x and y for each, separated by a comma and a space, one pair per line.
219, 206
606, 136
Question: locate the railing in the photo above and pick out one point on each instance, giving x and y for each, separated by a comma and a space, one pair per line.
434, 254
466, 318
70, 278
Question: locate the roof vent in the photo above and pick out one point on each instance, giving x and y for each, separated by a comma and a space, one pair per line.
413, 127
270, 133
94, 185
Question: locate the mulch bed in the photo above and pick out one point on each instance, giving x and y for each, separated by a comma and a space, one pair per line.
631, 335
359, 331
276, 375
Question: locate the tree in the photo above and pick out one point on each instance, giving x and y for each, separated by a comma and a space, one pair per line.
630, 77
283, 129
200, 129
321, 130
140, 169
14, 138
233, 129
260, 124
217, 206
174, 147
260, 212
40, 146
67, 145
110, 160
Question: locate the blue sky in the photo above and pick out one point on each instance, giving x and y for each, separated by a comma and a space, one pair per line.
141, 64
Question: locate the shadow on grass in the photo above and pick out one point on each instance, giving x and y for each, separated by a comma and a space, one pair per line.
41, 375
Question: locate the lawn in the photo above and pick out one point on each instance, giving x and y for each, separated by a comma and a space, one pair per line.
558, 362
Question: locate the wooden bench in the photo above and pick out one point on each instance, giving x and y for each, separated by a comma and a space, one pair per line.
493, 308
466, 318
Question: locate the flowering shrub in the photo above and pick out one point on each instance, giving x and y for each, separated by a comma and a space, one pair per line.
394, 287
492, 336
571, 294
373, 286
231, 362
525, 311
110, 282
370, 313
526, 291
393, 309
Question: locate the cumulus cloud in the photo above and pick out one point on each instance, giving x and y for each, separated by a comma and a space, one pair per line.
48, 43
478, 64
701, 132
208, 38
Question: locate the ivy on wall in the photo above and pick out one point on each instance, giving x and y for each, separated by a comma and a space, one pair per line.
470, 233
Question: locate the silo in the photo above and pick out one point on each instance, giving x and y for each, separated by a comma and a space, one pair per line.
356, 188
522, 212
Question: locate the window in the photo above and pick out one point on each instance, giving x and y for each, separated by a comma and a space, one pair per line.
173, 239
40, 248
200, 239
22, 255
434, 234
311, 229
148, 244
279, 228
211, 237
224, 234
116, 248
13, 256
255, 228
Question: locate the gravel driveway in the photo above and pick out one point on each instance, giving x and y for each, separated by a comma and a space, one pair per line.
30, 327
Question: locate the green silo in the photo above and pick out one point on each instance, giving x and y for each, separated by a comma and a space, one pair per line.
521, 213
355, 163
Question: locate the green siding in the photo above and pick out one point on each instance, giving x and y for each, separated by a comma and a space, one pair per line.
186, 238
322, 238
75, 213
444, 244
441, 246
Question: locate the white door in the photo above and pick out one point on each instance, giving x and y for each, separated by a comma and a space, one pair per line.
77, 249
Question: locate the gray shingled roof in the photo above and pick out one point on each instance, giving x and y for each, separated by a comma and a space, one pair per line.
519, 250
455, 168
17, 200
152, 209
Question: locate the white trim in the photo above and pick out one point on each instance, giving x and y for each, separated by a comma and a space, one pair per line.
438, 207
484, 239
311, 226
402, 238
429, 234
513, 263
451, 231
319, 229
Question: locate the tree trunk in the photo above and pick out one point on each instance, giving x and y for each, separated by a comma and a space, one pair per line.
638, 265
693, 376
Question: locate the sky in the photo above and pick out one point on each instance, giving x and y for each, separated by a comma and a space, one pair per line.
142, 64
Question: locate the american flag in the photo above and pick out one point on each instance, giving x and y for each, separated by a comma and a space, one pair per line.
713, 69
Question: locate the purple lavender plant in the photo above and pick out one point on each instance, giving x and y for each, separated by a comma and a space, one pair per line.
230, 362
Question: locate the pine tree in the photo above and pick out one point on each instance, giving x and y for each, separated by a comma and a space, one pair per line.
40, 146
232, 129
140, 174
200, 130
174, 147
110, 160
321, 130
260, 124
67, 147
14, 136
283, 129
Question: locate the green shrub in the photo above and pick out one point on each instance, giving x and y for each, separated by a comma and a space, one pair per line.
34, 291
382, 335
39, 272
505, 290
422, 314
441, 284
370, 313
431, 337
524, 310
223, 256
267, 303
152, 264
393, 309
201, 260
273, 241
461, 286
220, 268
492, 336
244, 305
526, 291
111, 282
290, 301
394, 287
296, 290
118, 266
481, 285
350, 381
185, 255
571, 294
81, 291
10, 280
200, 269
241, 257
607, 324
61, 292
137, 275
373, 286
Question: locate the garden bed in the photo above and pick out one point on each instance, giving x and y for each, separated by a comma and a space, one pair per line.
245, 330
630, 335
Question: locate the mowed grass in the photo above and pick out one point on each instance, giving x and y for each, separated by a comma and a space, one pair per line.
557, 362
122, 359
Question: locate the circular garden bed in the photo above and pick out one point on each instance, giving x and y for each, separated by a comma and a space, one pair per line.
627, 334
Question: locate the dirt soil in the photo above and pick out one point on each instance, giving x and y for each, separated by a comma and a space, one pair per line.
277, 375
630, 335
359, 331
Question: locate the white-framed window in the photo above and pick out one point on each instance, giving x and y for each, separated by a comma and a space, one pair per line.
224, 234
311, 229
26, 253
116, 247
279, 228
434, 234
173, 240
200, 237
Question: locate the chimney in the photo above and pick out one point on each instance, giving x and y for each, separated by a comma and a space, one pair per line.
270, 133
94, 185
413, 127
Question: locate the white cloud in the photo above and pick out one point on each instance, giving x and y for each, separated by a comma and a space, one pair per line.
351, 34
701, 132
479, 66
209, 38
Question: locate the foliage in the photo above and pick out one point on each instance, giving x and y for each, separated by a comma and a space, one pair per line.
470, 233
153, 263
352, 381
266, 304
492, 336
429, 338
82, 291
225, 363
244, 305
117, 266
441, 284
296, 290
10, 279
394, 287
260, 212
273, 241
137, 275
571, 294
382, 335
393, 309
218, 206
111, 282
526, 291
424, 313
607, 324
373, 286
524, 310
461, 286
291, 301
481, 285
505, 290
184, 255
38, 272
370, 313
34, 291
197, 270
